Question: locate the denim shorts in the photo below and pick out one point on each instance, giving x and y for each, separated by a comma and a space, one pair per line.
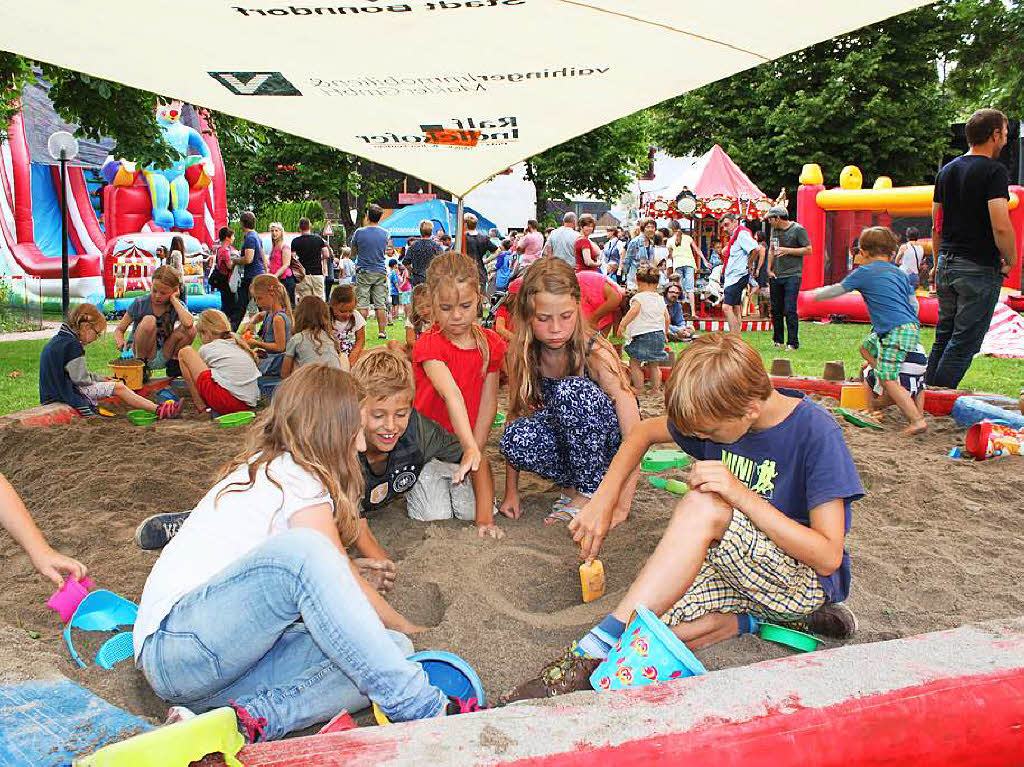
686, 281
648, 347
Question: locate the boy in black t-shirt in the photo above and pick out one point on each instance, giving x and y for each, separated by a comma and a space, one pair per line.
760, 535
406, 452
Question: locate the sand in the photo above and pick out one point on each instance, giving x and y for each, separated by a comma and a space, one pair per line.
935, 544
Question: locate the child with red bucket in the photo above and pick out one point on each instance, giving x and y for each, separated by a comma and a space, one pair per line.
760, 535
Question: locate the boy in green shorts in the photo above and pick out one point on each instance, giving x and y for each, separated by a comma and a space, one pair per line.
759, 536
896, 331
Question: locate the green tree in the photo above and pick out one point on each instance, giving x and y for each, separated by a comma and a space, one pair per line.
601, 163
987, 58
871, 98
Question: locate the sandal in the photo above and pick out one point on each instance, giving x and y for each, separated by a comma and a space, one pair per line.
563, 514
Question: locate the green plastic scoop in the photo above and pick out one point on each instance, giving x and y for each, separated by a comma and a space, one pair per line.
797, 640
662, 460
672, 485
240, 418
858, 420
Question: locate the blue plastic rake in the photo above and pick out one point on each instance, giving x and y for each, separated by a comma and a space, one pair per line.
116, 649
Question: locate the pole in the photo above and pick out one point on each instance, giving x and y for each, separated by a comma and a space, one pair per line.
65, 289
1020, 153
460, 230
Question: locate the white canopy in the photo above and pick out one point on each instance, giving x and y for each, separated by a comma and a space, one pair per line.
450, 91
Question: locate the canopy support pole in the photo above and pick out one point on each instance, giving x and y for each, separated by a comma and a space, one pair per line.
460, 229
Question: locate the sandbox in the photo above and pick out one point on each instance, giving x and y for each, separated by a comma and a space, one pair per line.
930, 548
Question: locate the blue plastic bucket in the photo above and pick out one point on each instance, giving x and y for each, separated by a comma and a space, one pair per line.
647, 653
450, 674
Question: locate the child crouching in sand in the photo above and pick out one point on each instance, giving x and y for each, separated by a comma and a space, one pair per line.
407, 453
254, 604
896, 331
222, 375
759, 536
64, 376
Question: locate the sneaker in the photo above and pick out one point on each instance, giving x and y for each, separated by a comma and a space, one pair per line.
250, 726
569, 673
156, 531
779, 345
835, 621
791, 347
173, 369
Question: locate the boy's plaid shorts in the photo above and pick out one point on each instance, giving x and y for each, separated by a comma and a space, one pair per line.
748, 573
891, 350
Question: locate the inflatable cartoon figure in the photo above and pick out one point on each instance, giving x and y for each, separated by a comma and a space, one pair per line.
169, 187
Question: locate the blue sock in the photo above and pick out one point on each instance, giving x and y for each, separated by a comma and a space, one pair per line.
602, 638
748, 624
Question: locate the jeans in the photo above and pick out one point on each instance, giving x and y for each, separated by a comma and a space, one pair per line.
241, 303
967, 294
784, 292
287, 633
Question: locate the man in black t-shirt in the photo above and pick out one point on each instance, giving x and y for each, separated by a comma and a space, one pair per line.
419, 253
313, 252
478, 246
972, 233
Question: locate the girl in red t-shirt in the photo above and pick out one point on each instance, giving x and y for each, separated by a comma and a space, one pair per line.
456, 367
571, 402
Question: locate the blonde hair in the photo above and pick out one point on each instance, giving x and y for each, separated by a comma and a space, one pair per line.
313, 314
87, 314
445, 273
649, 275
268, 284
215, 324
715, 379
383, 373
554, 276
879, 241
294, 425
280, 226
168, 275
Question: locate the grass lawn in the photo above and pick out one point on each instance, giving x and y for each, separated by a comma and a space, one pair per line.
19, 360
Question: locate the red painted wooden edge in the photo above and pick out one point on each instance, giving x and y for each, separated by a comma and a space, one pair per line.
936, 401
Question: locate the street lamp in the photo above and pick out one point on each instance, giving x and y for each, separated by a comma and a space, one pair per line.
63, 147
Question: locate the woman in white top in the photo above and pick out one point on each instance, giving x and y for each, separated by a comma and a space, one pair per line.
255, 604
910, 256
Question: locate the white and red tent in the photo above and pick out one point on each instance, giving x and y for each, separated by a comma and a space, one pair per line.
719, 185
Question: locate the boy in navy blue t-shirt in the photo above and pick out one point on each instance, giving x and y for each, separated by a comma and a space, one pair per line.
759, 536
896, 331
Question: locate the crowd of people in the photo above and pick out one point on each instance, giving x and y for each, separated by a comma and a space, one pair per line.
265, 554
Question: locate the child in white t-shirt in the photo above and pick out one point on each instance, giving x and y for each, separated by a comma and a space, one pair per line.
255, 604
349, 325
222, 374
645, 328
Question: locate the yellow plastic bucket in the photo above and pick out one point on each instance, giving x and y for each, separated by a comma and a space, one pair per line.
854, 397
128, 371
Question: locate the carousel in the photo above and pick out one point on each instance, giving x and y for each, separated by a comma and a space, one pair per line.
698, 198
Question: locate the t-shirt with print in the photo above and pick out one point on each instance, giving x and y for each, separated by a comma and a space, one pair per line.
370, 242
738, 266
310, 250
795, 236
221, 531
252, 242
307, 350
964, 187
422, 442
142, 307
464, 365
346, 332
887, 292
796, 466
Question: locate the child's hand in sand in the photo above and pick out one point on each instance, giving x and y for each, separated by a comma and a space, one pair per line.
490, 530
590, 527
470, 462
379, 573
55, 566
510, 507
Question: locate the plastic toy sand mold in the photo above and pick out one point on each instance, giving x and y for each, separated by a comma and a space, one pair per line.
662, 460
141, 417
858, 420
796, 640
240, 418
176, 744
103, 611
449, 673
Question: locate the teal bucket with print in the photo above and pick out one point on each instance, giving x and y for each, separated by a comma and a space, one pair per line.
647, 653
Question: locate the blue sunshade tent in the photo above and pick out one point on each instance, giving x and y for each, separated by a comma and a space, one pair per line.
405, 222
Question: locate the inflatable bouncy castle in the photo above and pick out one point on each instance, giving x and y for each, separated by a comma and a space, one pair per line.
115, 218
834, 219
